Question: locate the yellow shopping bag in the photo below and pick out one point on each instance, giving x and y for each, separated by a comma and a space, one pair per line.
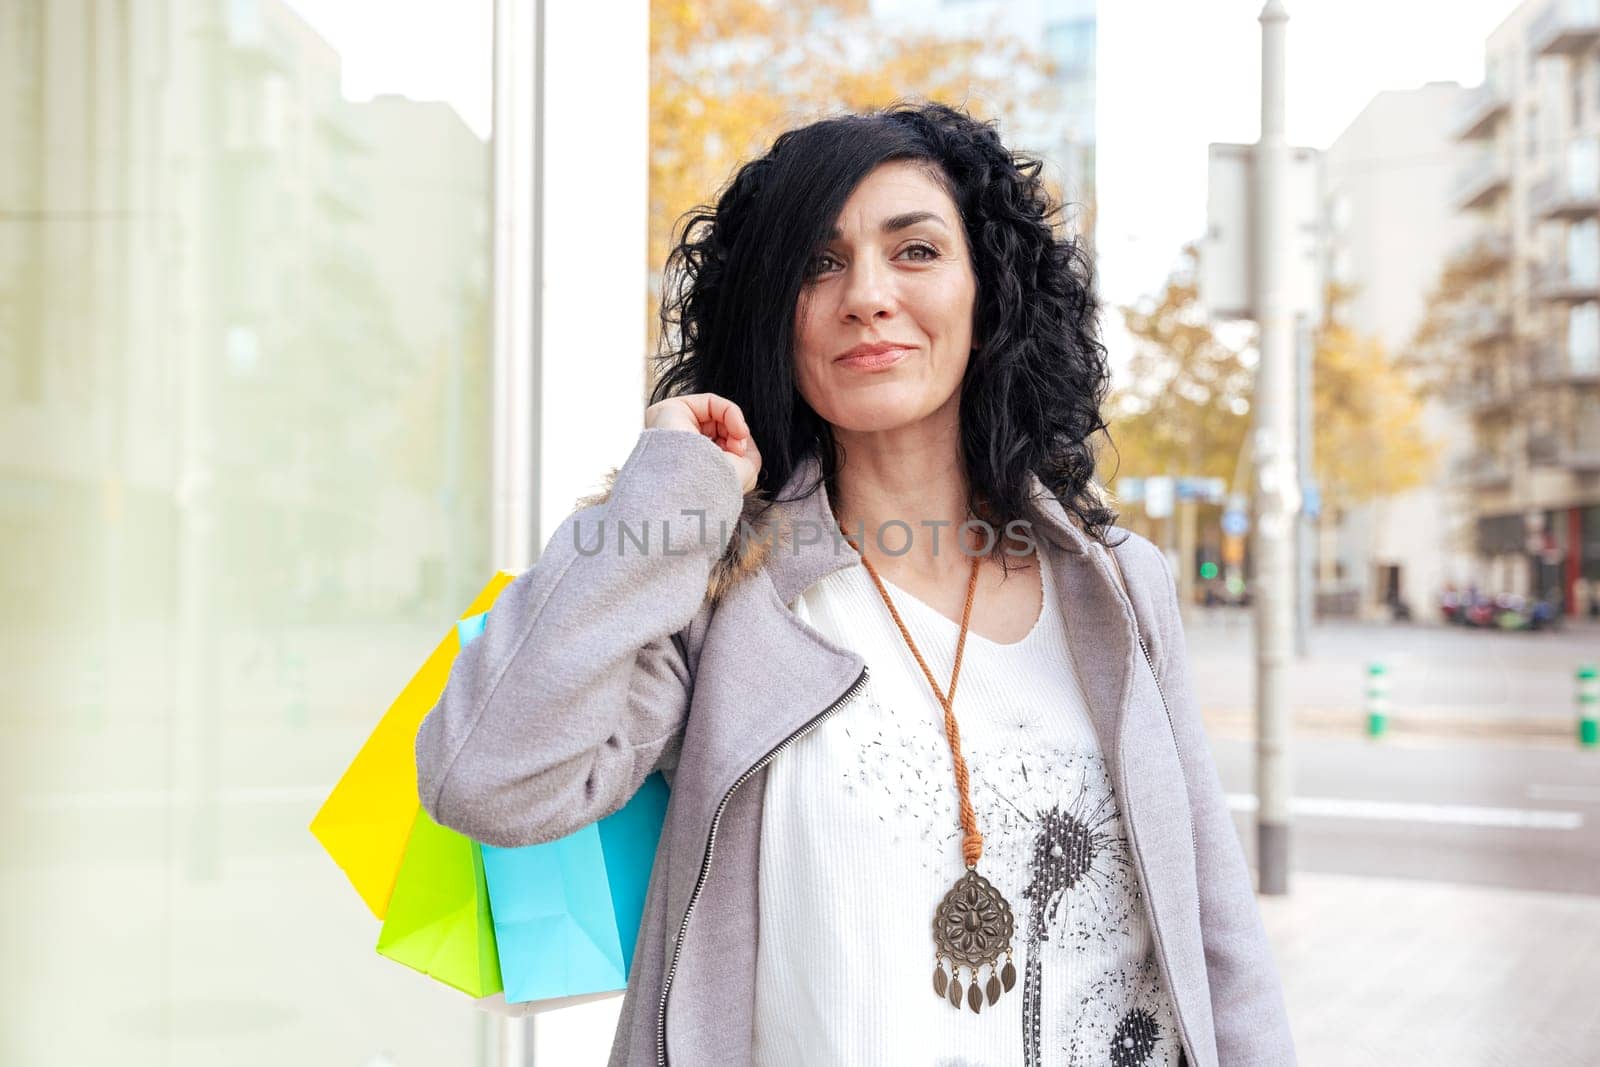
367, 819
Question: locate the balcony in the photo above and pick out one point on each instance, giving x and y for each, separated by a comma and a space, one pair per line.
1481, 326
254, 46
1483, 471
1480, 184
1567, 197
342, 194
339, 127
1581, 458
1579, 452
1479, 111
1486, 399
1485, 251
1554, 364
1564, 282
1566, 28
342, 270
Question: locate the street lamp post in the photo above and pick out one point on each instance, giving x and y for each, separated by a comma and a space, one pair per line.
1277, 478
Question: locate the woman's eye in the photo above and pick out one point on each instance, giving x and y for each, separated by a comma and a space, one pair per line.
824, 262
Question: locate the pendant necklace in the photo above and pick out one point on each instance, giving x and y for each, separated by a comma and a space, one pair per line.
973, 924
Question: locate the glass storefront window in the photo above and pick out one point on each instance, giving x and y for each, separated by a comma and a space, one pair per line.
244, 364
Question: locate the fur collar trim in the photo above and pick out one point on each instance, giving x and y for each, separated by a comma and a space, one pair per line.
751, 543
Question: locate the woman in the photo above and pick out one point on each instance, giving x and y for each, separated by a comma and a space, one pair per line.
868, 476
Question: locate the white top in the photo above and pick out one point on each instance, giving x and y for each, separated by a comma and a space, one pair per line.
861, 839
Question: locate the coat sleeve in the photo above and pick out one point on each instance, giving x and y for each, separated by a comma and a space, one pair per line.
1250, 1017
579, 685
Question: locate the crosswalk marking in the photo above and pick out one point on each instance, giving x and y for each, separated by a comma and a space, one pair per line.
1401, 811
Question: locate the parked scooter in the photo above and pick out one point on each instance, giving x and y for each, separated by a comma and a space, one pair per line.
1500, 611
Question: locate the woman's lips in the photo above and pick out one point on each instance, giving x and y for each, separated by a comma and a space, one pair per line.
874, 361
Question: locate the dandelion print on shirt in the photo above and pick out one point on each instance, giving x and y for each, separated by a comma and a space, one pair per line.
1054, 842
862, 837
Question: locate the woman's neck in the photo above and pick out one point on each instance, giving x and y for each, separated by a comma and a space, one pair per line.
902, 498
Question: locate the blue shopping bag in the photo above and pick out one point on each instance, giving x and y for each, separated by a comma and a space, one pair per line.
566, 913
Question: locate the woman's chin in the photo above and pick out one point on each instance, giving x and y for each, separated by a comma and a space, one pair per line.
875, 418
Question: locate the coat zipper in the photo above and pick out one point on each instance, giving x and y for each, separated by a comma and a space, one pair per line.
1133, 840
711, 841
1193, 839
1149, 905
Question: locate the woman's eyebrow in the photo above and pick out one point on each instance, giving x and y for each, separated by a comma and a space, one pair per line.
898, 222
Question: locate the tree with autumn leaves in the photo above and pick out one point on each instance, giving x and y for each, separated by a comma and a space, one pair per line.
1183, 406
727, 76
1366, 415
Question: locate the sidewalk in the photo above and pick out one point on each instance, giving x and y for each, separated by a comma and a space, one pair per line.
1394, 973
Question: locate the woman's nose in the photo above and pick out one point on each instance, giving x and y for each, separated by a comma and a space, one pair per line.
868, 292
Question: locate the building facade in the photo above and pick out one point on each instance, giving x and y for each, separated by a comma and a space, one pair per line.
1389, 224
1531, 187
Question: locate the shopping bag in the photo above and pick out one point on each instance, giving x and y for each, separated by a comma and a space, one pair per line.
366, 820
572, 908
438, 919
567, 912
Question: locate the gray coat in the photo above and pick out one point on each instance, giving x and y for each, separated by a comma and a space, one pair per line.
598, 667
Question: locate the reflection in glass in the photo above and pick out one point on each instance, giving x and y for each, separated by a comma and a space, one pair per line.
244, 377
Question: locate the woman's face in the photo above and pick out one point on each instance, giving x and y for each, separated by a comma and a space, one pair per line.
897, 272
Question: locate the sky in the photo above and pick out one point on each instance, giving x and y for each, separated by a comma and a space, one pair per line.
422, 49
1175, 75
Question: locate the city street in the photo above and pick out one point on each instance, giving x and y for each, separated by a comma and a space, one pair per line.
1444, 897
1448, 676
1478, 779
1480, 814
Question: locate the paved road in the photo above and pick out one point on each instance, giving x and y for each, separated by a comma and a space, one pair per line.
1472, 814
1433, 670
1479, 781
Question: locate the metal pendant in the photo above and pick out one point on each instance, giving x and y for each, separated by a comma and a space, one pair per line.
973, 925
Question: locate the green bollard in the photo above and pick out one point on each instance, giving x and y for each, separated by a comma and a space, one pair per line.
1588, 705
1377, 700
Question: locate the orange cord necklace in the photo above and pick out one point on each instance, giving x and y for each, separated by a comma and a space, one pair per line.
973, 924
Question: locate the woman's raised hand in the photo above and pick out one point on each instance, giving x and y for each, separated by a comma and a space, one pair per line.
715, 417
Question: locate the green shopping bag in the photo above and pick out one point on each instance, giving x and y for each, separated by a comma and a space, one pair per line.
438, 920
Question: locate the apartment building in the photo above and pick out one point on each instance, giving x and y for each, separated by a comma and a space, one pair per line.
1530, 184
1390, 223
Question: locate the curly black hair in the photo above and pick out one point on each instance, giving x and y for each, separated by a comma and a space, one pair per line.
1034, 387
